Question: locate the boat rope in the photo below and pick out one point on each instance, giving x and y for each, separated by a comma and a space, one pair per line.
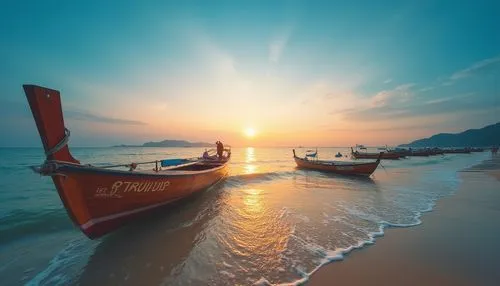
49, 168
59, 145
131, 165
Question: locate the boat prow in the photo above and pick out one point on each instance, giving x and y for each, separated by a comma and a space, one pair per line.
101, 199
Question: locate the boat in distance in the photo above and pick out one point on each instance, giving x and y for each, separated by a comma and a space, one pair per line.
338, 167
382, 155
101, 199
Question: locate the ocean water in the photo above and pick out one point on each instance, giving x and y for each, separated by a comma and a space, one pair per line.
266, 223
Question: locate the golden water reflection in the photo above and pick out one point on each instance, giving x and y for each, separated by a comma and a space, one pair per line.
250, 155
250, 169
249, 158
257, 229
253, 201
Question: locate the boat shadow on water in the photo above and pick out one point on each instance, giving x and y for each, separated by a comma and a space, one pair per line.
155, 247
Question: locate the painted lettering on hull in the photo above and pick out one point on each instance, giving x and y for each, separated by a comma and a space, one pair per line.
119, 188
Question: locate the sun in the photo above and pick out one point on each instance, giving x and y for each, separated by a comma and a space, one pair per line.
249, 132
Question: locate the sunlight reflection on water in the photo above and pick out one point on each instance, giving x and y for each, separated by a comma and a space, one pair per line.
249, 158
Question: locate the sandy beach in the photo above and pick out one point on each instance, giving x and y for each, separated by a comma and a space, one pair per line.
456, 244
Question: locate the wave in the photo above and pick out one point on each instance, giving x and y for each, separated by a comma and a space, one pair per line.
486, 165
23, 223
241, 179
426, 162
327, 256
59, 268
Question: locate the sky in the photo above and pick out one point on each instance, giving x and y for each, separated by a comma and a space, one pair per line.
311, 73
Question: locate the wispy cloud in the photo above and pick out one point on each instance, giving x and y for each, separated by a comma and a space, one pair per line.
399, 94
425, 89
458, 97
387, 80
278, 44
476, 68
384, 129
86, 116
458, 104
439, 100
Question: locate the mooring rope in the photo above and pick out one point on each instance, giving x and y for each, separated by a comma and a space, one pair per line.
61, 143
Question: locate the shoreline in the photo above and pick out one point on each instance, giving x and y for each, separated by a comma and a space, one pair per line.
455, 244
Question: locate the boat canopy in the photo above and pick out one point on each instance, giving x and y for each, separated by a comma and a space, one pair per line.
311, 153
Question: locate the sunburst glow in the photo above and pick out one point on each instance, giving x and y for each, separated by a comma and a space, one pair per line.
250, 132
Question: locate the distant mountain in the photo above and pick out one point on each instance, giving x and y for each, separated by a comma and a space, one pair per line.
171, 143
484, 137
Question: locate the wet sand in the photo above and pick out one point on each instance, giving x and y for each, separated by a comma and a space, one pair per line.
458, 243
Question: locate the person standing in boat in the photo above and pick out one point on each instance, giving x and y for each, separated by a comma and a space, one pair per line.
220, 149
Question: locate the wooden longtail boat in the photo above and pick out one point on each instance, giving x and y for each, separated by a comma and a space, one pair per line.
338, 167
381, 155
101, 199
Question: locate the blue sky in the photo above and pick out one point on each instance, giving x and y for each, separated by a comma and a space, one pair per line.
298, 72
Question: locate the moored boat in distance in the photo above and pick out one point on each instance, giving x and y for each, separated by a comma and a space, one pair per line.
421, 152
101, 199
382, 155
457, 151
436, 151
338, 167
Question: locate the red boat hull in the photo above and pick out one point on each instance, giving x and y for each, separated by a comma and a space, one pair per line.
360, 169
99, 200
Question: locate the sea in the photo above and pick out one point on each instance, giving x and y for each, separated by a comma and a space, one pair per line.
267, 223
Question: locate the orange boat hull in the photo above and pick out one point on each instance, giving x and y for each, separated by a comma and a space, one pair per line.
360, 169
100, 201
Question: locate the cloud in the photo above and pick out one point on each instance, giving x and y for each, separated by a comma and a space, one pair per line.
383, 129
460, 104
399, 94
483, 66
86, 116
458, 97
439, 100
277, 46
425, 89
387, 80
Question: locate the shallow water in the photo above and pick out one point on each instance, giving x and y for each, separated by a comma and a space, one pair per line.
266, 223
